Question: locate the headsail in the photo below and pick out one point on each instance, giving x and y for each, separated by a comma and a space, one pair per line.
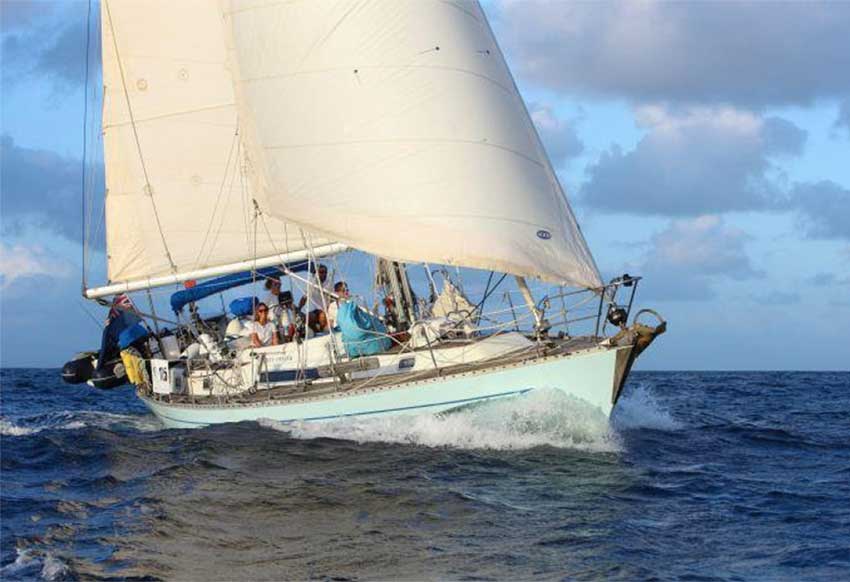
177, 202
394, 126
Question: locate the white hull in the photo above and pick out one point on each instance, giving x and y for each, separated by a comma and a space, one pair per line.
593, 375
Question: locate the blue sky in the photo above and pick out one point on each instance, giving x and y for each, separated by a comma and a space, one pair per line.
703, 145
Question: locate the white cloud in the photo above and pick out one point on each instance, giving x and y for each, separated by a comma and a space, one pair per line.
686, 259
693, 161
20, 262
558, 135
704, 245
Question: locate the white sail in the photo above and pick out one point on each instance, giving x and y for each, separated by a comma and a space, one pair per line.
177, 202
394, 126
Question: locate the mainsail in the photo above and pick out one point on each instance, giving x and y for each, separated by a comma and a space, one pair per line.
177, 204
394, 126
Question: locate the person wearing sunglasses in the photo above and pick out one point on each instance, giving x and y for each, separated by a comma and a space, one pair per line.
263, 331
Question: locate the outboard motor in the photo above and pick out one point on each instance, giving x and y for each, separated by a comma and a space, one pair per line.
110, 375
79, 369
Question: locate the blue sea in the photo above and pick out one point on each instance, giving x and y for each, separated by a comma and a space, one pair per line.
699, 476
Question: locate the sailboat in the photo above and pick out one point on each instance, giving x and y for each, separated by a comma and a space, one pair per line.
249, 141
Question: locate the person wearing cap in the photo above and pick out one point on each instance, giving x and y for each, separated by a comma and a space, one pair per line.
287, 318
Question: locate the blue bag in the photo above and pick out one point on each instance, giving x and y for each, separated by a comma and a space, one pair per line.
361, 332
243, 307
131, 335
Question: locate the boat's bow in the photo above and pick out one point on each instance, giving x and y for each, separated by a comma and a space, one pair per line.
639, 336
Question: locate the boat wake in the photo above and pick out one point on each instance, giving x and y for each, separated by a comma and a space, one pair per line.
77, 420
639, 408
545, 417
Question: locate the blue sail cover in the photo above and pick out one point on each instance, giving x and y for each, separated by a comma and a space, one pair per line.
220, 284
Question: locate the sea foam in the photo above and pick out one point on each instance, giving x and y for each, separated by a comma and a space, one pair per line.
8, 428
30, 564
639, 408
544, 417
76, 420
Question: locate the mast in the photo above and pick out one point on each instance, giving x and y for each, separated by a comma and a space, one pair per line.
393, 277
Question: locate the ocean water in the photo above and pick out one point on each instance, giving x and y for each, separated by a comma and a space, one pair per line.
699, 476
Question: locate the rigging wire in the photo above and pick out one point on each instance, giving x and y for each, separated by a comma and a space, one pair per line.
97, 322
96, 137
85, 144
224, 211
559, 197
218, 200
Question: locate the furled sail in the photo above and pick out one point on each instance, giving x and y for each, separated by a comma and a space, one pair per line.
177, 201
394, 126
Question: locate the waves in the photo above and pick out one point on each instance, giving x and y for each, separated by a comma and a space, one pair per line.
544, 417
30, 564
640, 408
738, 476
8, 428
75, 420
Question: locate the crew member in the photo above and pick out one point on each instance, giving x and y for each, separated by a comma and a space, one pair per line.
263, 331
288, 319
317, 296
341, 290
272, 299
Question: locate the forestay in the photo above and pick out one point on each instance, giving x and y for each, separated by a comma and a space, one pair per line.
176, 202
394, 126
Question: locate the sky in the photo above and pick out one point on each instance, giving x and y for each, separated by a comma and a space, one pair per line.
703, 145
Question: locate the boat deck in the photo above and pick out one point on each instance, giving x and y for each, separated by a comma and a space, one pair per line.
338, 385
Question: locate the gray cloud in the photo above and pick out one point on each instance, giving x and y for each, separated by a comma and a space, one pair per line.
17, 14
48, 40
823, 209
558, 135
842, 120
58, 302
64, 59
778, 298
747, 53
687, 259
827, 280
694, 161
40, 188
